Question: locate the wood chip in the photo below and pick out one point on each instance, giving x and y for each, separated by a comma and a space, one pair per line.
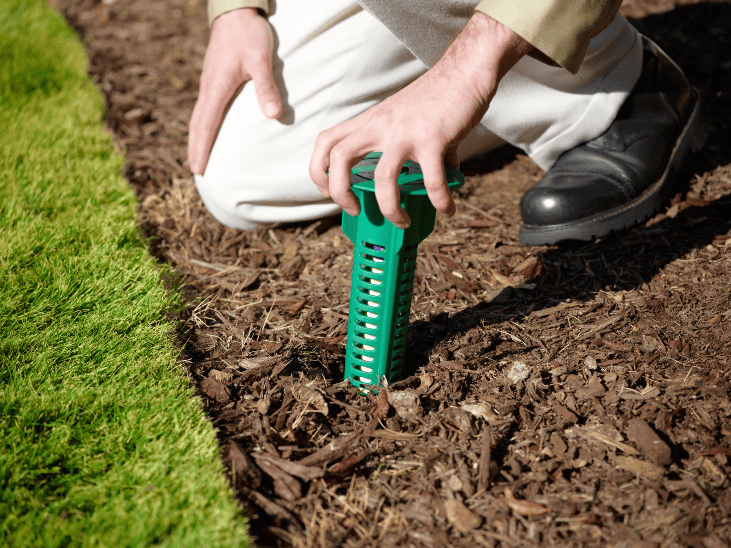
285, 485
591, 433
224, 377
566, 414
648, 442
242, 466
483, 476
599, 326
214, 389
258, 372
461, 517
406, 403
648, 393
639, 467
394, 436
271, 508
307, 473
310, 397
548, 311
524, 507
481, 410
332, 451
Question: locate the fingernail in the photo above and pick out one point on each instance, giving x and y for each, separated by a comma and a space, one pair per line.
270, 110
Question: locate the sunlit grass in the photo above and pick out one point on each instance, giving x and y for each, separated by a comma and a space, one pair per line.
103, 442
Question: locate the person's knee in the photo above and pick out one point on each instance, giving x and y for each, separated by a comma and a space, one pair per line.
221, 202
247, 204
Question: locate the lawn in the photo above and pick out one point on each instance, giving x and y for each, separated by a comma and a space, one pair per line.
104, 441
618, 436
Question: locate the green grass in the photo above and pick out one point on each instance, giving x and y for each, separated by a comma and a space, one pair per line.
102, 440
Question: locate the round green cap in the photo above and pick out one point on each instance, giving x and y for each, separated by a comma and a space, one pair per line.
410, 180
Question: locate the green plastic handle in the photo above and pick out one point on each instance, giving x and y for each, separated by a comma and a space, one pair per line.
384, 264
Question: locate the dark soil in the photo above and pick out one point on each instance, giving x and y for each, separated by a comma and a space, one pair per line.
554, 396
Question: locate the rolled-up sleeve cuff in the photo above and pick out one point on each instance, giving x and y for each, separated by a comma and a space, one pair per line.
219, 7
560, 29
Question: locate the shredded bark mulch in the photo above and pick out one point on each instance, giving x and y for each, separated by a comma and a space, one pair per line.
554, 396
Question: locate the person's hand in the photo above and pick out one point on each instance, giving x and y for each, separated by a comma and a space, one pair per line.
241, 49
423, 122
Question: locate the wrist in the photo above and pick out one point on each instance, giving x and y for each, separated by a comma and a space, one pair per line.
484, 52
236, 16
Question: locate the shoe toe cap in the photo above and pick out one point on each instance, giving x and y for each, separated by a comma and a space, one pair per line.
571, 198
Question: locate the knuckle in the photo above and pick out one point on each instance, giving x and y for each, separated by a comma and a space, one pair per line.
338, 191
339, 155
436, 186
324, 139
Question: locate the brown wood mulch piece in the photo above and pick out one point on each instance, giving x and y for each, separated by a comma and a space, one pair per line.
616, 427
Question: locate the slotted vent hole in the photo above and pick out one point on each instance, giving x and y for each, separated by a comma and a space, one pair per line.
366, 347
371, 292
373, 258
366, 325
366, 302
368, 314
371, 269
374, 247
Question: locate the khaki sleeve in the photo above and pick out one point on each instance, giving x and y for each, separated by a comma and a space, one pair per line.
559, 29
219, 7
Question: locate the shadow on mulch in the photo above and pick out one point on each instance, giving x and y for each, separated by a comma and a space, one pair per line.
578, 272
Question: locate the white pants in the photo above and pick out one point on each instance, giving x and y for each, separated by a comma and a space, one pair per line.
336, 60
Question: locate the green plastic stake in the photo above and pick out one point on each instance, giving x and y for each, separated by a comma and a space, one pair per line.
384, 264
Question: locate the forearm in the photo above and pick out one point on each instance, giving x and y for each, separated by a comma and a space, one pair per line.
475, 63
482, 54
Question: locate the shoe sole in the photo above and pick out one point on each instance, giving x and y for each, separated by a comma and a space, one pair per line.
638, 210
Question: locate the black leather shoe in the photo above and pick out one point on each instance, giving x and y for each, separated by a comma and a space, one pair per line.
626, 174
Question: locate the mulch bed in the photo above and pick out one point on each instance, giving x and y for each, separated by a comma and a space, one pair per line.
554, 396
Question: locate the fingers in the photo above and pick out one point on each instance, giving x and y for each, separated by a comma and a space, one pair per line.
337, 150
267, 90
387, 191
205, 121
435, 181
241, 49
343, 157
